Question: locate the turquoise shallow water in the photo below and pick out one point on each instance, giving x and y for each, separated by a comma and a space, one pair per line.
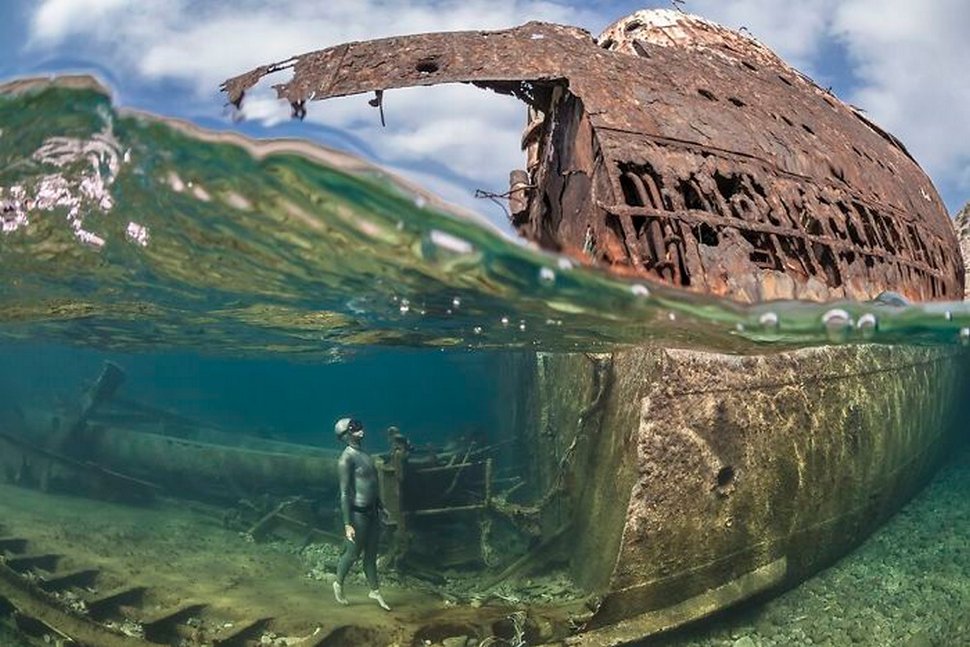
129, 232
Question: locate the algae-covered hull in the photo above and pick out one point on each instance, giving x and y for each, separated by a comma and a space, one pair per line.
705, 479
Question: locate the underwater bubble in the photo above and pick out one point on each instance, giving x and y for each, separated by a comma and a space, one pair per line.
522, 326
867, 324
546, 275
672, 316
639, 290
768, 320
477, 330
236, 201
965, 336
948, 315
200, 193
405, 306
564, 264
420, 201
837, 322
505, 321
836, 317
739, 327
175, 182
456, 303
451, 243
137, 234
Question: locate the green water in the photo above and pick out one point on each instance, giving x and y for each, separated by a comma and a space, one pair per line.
128, 232
261, 290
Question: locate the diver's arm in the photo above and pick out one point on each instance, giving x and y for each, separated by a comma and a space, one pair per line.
345, 468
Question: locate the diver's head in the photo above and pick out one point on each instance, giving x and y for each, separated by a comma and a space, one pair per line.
349, 430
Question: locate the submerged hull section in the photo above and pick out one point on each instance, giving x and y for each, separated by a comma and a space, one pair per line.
705, 479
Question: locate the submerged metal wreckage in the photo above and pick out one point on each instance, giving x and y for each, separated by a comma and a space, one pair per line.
679, 150
666, 484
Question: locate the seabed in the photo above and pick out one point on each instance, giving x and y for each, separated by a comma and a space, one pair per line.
176, 575
908, 585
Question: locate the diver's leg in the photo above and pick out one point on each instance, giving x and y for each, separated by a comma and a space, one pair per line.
370, 551
352, 550
349, 556
370, 561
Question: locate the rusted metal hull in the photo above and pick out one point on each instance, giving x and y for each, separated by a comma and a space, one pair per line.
679, 150
224, 471
120, 462
707, 479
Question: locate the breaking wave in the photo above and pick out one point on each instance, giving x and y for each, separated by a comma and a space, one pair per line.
131, 232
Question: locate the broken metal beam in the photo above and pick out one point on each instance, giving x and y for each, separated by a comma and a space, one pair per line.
78, 578
44, 561
13, 544
108, 603
534, 52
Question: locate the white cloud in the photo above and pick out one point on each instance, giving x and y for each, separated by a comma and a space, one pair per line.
476, 133
57, 17
904, 58
911, 58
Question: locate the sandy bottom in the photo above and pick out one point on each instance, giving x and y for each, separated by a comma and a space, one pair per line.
184, 555
907, 586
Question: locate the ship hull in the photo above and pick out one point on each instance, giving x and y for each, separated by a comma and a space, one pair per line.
705, 479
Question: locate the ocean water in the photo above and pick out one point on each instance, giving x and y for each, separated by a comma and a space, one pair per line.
251, 294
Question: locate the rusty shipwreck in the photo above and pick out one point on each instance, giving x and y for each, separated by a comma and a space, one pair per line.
669, 484
676, 149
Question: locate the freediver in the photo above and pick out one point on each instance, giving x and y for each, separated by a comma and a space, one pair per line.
360, 508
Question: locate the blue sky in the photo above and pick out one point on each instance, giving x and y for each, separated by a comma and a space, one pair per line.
903, 61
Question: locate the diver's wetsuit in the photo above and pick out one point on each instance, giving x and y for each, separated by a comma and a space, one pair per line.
359, 507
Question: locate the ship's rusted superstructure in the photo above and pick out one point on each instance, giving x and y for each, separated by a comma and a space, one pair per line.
679, 150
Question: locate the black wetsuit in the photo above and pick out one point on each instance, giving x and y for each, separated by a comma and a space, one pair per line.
359, 504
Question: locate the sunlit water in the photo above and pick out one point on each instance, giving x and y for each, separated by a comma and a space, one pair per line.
130, 232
